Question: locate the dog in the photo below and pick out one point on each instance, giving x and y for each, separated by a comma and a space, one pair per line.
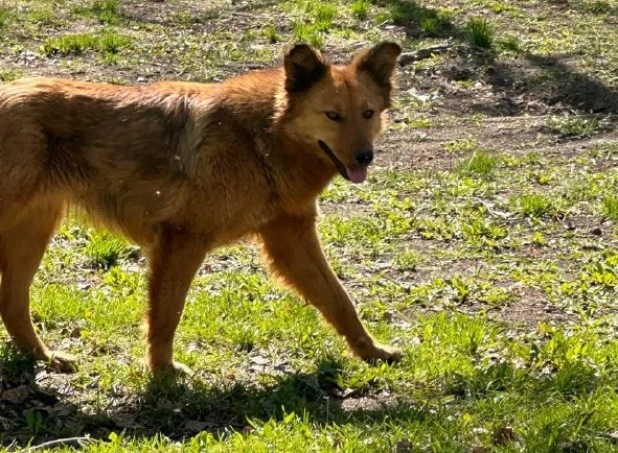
181, 168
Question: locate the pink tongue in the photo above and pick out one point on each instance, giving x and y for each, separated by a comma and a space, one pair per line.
357, 175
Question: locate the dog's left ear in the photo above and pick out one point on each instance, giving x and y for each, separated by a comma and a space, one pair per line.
379, 62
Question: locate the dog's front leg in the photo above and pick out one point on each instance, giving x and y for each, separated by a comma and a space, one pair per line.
174, 259
292, 246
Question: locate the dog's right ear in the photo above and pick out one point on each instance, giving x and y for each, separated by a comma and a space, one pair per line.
304, 66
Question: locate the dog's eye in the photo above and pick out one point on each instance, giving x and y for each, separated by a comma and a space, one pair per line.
333, 116
368, 113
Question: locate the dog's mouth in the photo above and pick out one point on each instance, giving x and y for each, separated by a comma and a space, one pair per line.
355, 175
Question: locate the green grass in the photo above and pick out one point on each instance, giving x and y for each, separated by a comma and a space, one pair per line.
361, 9
610, 207
4, 16
597, 6
480, 163
105, 11
272, 35
308, 33
110, 43
480, 32
535, 205
573, 127
483, 243
10, 75
105, 250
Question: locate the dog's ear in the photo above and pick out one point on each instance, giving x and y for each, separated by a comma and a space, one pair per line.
379, 62
304, 66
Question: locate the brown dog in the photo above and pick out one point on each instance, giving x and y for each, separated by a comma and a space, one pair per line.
182, 168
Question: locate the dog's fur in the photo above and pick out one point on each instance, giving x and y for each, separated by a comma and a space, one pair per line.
181, 168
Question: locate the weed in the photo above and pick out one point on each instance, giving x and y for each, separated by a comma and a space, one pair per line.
112, 43
480, 32
323, 15
597, 6
70, 44
405, 12
272, 35
107, 11
4, 16
8, 75
462, 145
573, 126
480, 163
534, 205
610, 207
308, 33
360, 9
105, 250
42, 16
509, 44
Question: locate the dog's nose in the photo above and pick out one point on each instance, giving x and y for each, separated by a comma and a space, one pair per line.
364, 157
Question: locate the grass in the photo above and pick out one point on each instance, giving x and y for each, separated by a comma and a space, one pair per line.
308, 33
573, 127
110, 43
4, 16
360, 9
480, 32
480, 163
481, 244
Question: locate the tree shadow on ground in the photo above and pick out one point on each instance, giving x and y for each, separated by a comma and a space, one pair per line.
548, 79
179, 410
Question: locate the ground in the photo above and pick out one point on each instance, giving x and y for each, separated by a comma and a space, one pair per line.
484, 243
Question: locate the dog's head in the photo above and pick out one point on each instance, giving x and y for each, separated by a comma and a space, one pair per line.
338, 110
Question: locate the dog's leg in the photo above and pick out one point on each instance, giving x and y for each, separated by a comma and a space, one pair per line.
293, 248
174, 260
21, 249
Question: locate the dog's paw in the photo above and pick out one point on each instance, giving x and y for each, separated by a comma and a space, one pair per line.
60, 362
173, 370
373, 352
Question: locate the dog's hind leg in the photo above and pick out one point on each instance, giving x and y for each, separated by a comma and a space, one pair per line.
293, 248
22, 246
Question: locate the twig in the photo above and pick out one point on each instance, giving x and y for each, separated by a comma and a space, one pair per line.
422, 54
70, 441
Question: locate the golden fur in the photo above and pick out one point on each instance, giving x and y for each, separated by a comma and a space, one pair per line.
181, 168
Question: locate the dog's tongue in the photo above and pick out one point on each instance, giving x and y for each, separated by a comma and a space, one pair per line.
357, 175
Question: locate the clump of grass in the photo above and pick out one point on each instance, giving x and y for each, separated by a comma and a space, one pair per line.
534, 205
70, 44
573, 126
112, 43
105, 250
480, 32
408, 260
42, 16
610, 207
107, 11
461, 145
481, 163
509, 44
308, 33
430, 26
324, 14
597, 7
404, 12
9, 75
4, 16
360, 9
272, 35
